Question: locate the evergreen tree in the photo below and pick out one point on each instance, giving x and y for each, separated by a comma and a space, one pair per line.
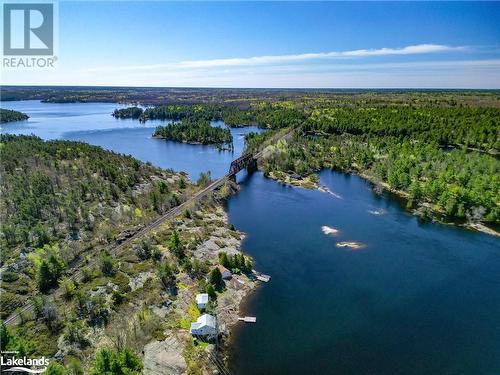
109, 362
107, 264
175, 245
209, 289
5, 336
45, 278
224, 260
55, 368
215, 278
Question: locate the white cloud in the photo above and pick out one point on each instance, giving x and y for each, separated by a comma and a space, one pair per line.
353, 68
408, 50
283, 59
360, 74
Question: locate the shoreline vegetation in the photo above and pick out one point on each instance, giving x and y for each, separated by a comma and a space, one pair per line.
263, 115
431, 212
399, 149
71, 202
135, 305
196, 132
439, 147
437, 210
7, 115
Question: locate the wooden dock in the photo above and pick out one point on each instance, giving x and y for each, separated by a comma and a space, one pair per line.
248, 319
261, 277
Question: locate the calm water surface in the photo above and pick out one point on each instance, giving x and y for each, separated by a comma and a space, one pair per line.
418, 299
93, 123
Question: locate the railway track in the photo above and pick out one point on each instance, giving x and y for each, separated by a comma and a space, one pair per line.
15, 317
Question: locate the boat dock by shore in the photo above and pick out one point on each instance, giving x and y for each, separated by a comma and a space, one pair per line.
261, 277
248, 319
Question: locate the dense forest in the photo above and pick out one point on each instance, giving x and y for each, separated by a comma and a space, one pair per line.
470, 127
269, 116
61, 198
439, 158
130, 112
233, 116
65, 208
195, 132
7, 115
181, 112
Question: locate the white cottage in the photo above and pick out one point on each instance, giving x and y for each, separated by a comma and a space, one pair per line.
205, 325
202, 300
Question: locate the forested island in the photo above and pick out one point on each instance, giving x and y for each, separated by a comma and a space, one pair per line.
232, 116
7, 115
129, 112
195, 132
267, 116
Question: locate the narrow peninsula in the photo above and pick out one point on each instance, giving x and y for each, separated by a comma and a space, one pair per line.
7, 115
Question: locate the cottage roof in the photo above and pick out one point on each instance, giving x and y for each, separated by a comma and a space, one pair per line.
204, 320
202, 298
223, 269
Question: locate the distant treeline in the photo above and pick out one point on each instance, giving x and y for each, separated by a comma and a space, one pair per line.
269, 116
469, 127
7, 115
195, 132
246, 98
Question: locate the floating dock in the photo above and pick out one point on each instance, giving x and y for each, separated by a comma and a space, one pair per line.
261, 277
248, 319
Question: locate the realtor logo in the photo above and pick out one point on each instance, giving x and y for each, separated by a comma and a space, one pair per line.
28, 29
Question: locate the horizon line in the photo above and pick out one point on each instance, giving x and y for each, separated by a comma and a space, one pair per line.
258, 88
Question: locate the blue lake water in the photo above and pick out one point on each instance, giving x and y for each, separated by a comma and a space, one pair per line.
93, 123
419, 298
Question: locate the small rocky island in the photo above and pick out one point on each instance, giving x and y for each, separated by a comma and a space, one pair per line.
7, 115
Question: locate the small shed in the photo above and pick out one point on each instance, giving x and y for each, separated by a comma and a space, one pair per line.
205, 325
201, 300
226, 274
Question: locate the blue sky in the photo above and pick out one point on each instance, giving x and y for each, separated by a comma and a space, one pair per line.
275, 44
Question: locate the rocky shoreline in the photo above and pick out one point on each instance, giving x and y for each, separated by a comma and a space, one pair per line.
178, 353
310, 182
219, 146
154, 321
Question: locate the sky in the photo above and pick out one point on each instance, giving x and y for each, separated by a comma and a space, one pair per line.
274, 44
